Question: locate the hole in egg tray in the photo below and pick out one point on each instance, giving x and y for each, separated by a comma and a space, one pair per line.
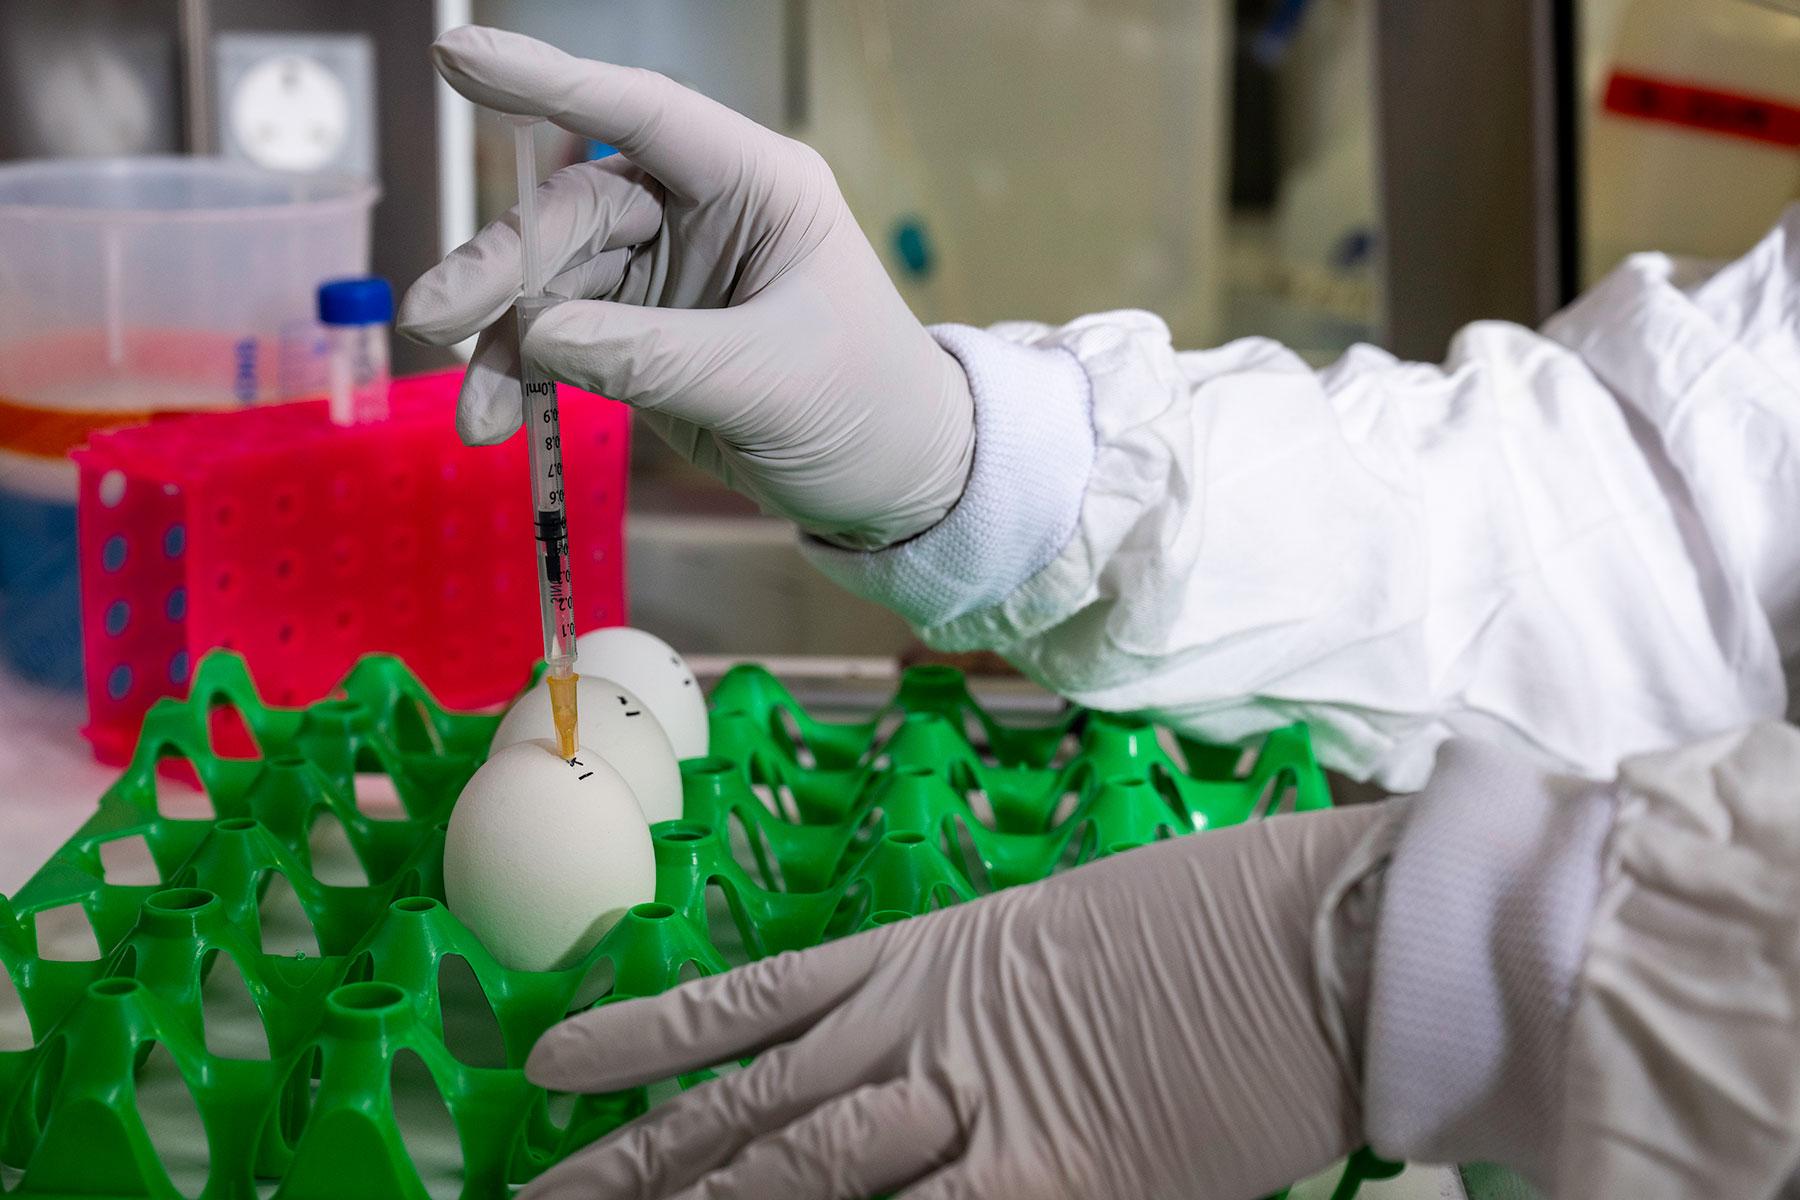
795, 831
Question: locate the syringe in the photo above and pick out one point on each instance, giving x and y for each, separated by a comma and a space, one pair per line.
543, 430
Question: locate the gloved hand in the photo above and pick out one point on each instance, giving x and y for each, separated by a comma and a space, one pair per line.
719, 284
1150, 1025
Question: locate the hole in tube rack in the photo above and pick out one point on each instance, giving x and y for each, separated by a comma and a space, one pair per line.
118, 616
127, 861
779, 799
112, 488
722, 927
175, 606
112, 552
45, 1084
287, 931
598, 982
178, 667
750, 842
174, 541
377, 797
178, 797
334, 859
295, 1102
958, 845
786, 723
942, 896
1170, 742
1066, 751
980, 803
471, 1029
1246, 760
15, 1027
172, 1119
1079, 848
230, 1019
231, 734
118, 682
426, 1126
976, 733
1278, 796
64, 934
414, 730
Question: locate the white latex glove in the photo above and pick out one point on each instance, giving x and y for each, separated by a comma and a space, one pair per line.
1150, 1026
719, 284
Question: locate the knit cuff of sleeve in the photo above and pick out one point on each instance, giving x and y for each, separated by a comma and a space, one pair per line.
1034, 447
1487, 902
1681, 1077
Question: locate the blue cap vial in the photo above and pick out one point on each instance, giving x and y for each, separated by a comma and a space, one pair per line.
365, 301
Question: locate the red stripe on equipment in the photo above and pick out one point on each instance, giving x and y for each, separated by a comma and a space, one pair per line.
1758, 118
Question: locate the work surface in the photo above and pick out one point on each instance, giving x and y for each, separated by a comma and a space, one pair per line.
49, 784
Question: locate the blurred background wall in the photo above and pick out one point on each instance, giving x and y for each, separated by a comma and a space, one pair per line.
1319, 171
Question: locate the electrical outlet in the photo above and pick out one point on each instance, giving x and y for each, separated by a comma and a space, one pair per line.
297, 102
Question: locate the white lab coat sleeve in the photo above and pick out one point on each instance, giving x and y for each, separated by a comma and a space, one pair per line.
1596, 984
1572, 543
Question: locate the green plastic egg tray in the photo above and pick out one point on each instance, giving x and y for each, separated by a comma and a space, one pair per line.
795, 831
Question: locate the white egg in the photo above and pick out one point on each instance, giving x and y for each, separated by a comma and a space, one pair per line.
543, 856
612, 722
644, 663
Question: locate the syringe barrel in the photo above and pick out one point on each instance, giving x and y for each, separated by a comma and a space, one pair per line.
543, 433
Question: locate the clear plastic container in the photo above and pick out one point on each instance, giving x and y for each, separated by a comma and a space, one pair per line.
130, 287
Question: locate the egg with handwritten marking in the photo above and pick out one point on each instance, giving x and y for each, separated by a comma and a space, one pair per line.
612, 722
543, 856
647, 665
